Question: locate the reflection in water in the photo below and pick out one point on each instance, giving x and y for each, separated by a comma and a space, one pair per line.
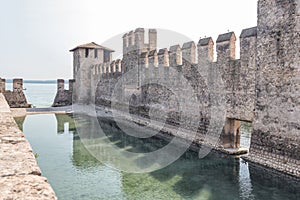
20, 121
273, 184
62, 120
75, 174
245, 184
188, 178
72, 175
81, 157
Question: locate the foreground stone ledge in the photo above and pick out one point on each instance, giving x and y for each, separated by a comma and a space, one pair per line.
25, 187
20, 176
17, 159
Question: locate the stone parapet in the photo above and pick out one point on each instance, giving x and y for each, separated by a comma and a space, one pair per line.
15, 98
20, 176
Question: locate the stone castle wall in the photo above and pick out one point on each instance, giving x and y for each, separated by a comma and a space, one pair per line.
276, 138
261, 87
163, 68
15, 98
238, 75
63, 97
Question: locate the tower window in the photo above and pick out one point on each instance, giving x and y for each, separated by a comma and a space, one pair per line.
86, 53
96, 53
106, 56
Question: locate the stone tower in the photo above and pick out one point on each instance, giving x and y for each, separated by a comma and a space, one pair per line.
134, 44
83, 57
277, 111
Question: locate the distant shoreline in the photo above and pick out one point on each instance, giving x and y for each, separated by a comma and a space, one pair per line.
38, 81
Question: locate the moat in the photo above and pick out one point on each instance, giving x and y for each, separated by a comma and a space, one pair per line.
75, 174
155, 115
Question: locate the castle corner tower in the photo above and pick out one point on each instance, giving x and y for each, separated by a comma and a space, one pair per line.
84, 56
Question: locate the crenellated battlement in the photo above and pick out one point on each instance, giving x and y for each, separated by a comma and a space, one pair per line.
153, 58
145, 55
64, 97
189, 52
2, 85
175, 55
205, 48
15, 98
107, 70
203, 51
163, 57
17, 85
238, 74
135, 41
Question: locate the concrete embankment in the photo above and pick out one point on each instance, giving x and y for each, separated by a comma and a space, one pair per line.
20, 176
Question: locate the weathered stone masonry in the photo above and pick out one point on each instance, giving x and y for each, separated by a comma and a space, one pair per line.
276, 129
63, 97
15, 98
20, 176
238, 76
261, 87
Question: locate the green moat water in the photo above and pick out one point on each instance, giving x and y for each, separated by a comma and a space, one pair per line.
75, 174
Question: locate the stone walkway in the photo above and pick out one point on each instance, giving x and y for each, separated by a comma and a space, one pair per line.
64, 109
20, 176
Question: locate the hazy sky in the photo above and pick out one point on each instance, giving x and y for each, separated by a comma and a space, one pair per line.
36, 35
